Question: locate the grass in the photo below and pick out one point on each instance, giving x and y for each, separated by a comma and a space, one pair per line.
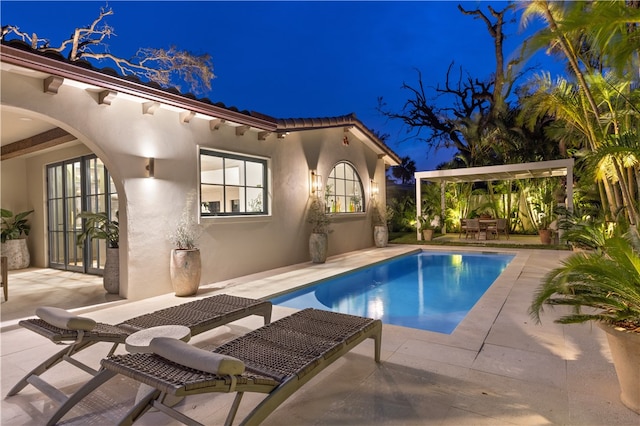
410, 238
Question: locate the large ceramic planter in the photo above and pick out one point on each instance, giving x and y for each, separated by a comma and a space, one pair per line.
17, 253
427, 234
318, 247
185, 269
381, 235
111, 274
625, 351
545, 236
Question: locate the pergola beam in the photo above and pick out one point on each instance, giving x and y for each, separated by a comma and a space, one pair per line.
541, 169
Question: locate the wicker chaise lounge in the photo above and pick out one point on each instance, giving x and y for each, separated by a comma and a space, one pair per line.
276, 359
78, 333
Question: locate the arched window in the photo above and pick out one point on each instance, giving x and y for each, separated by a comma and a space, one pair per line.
343, 190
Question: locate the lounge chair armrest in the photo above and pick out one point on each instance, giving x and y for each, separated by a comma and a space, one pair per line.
64, 319
183, 353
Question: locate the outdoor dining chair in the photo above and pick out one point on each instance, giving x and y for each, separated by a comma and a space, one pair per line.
501, 227
473, 228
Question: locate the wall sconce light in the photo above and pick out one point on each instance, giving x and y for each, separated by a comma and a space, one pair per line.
345, 141
150, 168
374, 189
316, 183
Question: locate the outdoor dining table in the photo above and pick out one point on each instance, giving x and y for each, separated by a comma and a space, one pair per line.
484, 225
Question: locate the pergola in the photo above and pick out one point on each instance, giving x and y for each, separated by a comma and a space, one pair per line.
540, 169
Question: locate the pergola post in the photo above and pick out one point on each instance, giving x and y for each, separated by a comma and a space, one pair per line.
442, 208
508, 172
570, 189
418, 207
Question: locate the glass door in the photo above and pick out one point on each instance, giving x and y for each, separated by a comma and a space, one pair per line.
74, 186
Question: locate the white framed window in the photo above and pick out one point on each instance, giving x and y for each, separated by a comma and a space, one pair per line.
232, 184
343, 190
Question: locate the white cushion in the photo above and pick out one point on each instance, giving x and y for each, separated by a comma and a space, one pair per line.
64, 319
200, 359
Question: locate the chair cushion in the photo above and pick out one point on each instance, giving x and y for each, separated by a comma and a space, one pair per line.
64, 319
183, 353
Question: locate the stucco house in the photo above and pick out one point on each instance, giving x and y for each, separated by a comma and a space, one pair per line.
76, 138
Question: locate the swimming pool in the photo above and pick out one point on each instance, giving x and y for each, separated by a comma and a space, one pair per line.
426, 290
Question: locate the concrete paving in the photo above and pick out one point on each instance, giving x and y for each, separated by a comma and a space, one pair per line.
497, 368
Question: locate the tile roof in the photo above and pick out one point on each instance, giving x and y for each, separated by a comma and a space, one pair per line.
20, 53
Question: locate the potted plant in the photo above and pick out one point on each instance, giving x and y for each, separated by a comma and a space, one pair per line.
426, 227
607, 282
543, 211
545, 232
15, 229
185, 266
380, 218
428, 220
98, 226
320, 228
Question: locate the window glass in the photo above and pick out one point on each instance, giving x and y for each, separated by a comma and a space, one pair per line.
211, 169
232, 185
343, 190
233, 171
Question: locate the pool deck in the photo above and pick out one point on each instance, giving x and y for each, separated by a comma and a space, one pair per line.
497, 368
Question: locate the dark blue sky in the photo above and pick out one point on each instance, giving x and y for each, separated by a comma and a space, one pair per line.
297, 59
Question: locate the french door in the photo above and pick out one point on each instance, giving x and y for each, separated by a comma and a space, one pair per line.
74, 186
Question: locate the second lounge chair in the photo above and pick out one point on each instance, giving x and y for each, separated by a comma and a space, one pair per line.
276, 360
62, 327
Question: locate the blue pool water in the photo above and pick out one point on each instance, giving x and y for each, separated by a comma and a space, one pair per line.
428, 291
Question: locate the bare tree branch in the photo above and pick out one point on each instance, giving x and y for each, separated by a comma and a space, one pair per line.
167, 67
465, 112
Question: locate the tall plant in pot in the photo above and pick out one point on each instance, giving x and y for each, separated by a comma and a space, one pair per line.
98, 226
15, 229
186, 265
428, 221
380, 218
320, 228
606, 281
543, 209
426, 227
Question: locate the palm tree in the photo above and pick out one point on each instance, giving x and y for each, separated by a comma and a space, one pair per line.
595, 37
607, 280
405, 170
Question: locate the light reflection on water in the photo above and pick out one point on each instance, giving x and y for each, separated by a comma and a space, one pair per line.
428, 291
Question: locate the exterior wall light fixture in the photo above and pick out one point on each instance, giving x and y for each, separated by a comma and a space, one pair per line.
150, 168
316, 183
374, 189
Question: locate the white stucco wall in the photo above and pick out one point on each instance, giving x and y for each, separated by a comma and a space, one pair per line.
123, 138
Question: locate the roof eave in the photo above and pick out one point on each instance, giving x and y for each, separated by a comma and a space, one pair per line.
349, 120
63, 69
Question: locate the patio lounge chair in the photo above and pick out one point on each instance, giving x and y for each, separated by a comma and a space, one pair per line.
62, 327
276, 359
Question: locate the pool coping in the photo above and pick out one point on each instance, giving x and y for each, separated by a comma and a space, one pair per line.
470, 334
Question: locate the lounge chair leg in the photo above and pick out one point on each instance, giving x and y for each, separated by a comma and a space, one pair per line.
377, 341
47, 364
234, 409
267, 315
185, 420
141, 406
85, 390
